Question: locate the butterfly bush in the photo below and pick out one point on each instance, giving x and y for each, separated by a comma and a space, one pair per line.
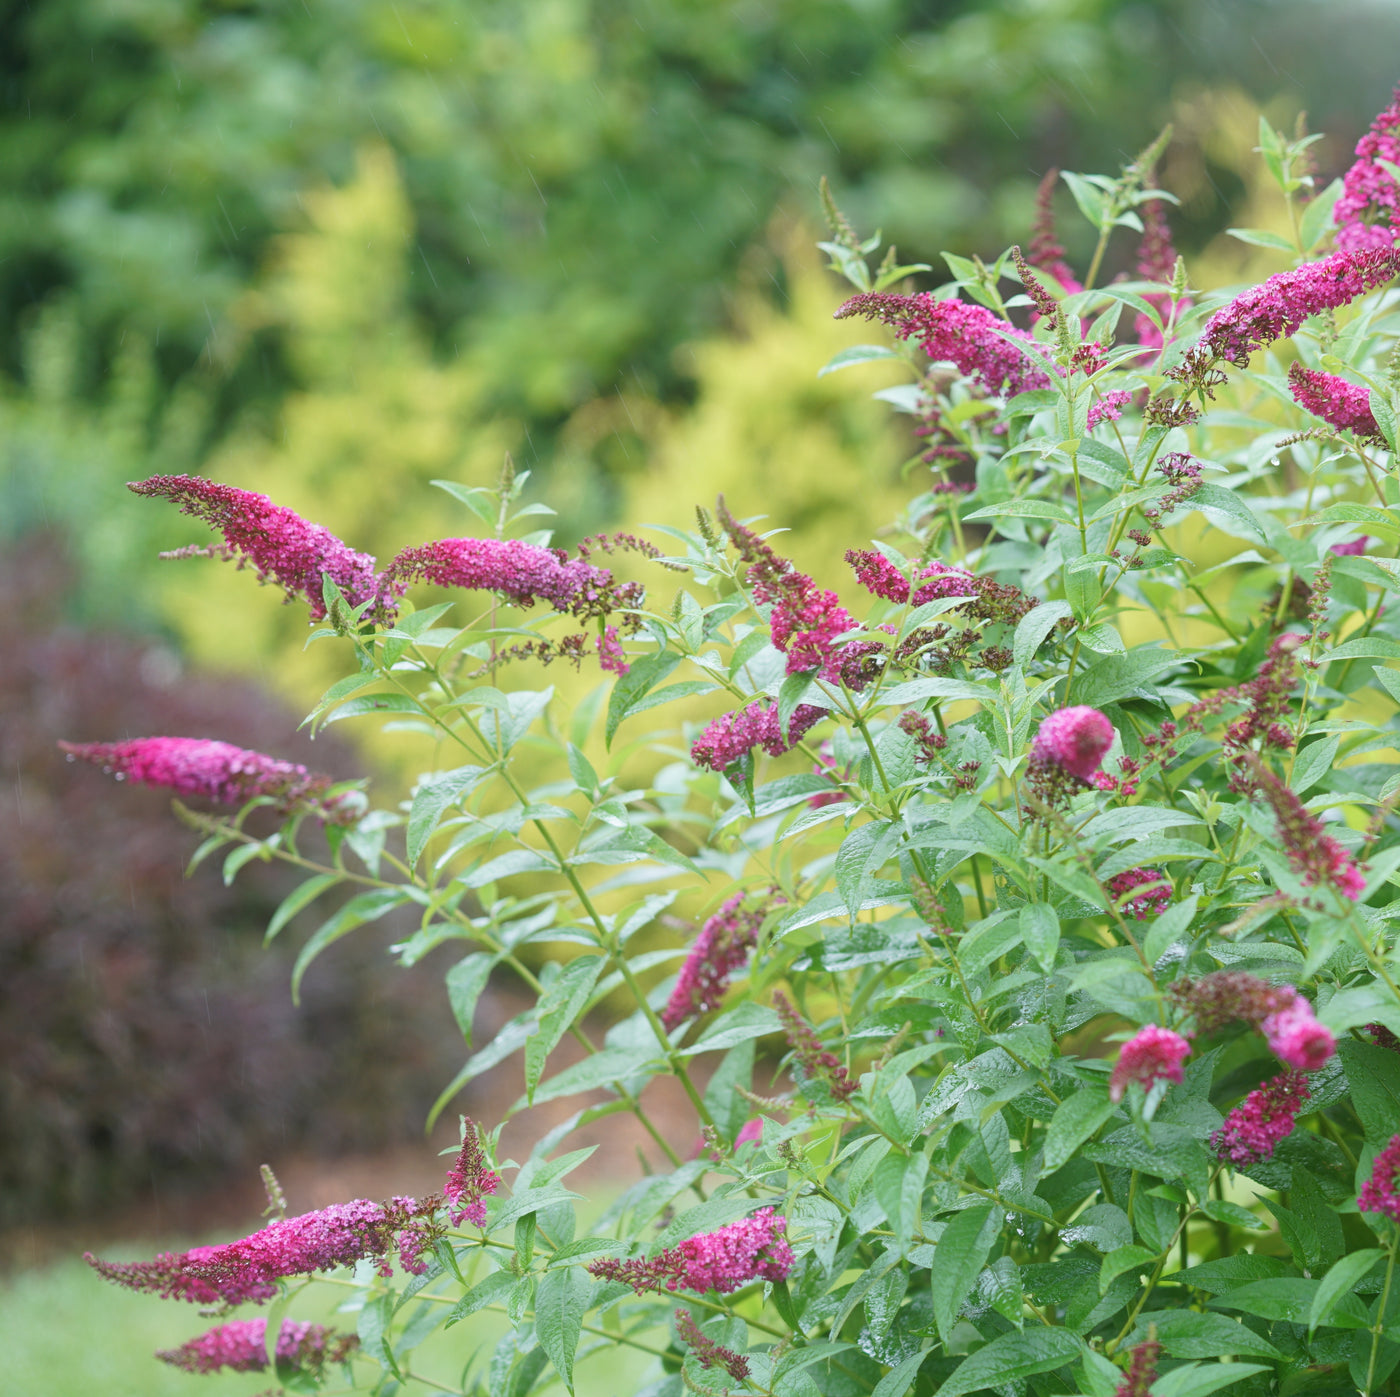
1009, 901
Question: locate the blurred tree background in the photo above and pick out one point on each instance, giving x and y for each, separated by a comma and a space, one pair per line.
336, 249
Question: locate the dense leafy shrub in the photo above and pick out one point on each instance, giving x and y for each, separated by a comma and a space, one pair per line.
1062, 866
144, 1032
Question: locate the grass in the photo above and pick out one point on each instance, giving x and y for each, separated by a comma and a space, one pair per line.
69, 1334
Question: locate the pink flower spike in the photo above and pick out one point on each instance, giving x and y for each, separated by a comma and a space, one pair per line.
728, 739
521, 572
216, 771
1367, 214
751, 1249
1073, 739
1340, 404
1378, 1193
1253, 1130
1352, 548
1153, 1054
278, 542
240, 1347
469, 1181
721, 948
1156, 261
1151, 903
1278, 308
1297, 1038
969, 337
249, 1269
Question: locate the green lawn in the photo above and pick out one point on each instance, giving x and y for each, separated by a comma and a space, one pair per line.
69, 1334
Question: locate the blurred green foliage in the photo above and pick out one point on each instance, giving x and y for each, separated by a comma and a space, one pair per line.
564, 195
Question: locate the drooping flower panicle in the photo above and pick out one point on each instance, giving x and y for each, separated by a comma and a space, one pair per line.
240, 1347
469, 1181
216, 771
1337, 402
751, 1249
1252, 1131
720, 948
707, 1352
1142, 1368
1367, 214
278, 542
1152, 1054
1276, 309
1297, 1038
522, 572
1313, 854
1379, 1193
877, 574
233, 1272
816, 1062
967, 336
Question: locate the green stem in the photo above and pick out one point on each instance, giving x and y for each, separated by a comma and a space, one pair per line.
1379, 1326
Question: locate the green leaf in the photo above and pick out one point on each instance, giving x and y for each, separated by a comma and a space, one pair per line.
372, 1327
558, 1008
1040, 931
1011, 1357
1076, 1118
900, 1378
861, 853
633, 686
1214, 497
478, 499
959, 1257
795, 690
1185, 1334
899, 1186
1373, 1075
727, 1108
1192, 1380
741, 1025
1120, 1259
560, 1303
1260, 237
375, 703
367, 907
1317, 215
1287, 1298
1116, 677
1368, 648
856, 354
1340, 1280
491, 1291
434, 795
1034, 626
297, 899
465, 982
600, 1070
1024, 509
1384, 414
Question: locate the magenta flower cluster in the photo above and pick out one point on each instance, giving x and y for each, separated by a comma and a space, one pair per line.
240, 1347
751, 1249
1379, 1193
720, 949
977, 343
278, 542
1253, 1130
1153, 1054
470, 1180
1340, 404
708, 1353
522, 572
233, 1272
1279, 1012
735, 735
818, 1064
1073, 739
878, 575
1109, 408
1367, 215
1152, 901
216, 771
1276, 309
1313, 854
